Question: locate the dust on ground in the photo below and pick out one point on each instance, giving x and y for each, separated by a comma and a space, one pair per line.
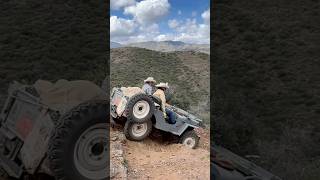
151, 159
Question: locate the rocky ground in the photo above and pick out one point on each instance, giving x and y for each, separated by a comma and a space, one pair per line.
118, 164
152, 159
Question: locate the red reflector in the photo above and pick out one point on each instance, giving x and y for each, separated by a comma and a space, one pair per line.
24, 126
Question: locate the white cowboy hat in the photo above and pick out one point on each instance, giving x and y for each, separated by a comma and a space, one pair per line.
164, 85
150, 79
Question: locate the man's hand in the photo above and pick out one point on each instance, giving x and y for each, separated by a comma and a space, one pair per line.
165, 115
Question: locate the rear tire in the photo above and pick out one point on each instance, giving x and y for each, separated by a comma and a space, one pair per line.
140, 108
190, 139
137, 131
78, 148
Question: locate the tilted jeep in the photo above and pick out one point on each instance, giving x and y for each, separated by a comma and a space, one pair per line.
141, 113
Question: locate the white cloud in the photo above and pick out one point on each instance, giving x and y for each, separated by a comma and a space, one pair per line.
144, 25
121, 27
189, 25
206, 16
148, 11
189, 31
151, 29
173, 23
142, 33
118, 4
193, 32
146, 33
163, 37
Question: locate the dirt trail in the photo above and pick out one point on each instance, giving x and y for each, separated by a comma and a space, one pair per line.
151, 159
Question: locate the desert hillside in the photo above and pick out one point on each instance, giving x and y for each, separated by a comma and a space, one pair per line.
186, 72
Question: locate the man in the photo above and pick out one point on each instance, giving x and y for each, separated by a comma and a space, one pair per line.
161, 88
148, 86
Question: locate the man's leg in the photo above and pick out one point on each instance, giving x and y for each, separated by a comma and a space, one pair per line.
171, 116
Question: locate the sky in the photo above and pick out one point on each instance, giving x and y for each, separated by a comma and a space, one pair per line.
160, 20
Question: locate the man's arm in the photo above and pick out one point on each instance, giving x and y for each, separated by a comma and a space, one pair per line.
144, 88
163, 105
149, 90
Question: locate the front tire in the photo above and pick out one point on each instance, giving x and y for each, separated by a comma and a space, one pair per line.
190, 139
78, 149
137, 131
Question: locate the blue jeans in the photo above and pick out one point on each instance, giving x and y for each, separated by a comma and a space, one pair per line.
171, 115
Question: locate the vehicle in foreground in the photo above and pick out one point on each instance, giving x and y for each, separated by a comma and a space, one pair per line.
56, 129
225, 165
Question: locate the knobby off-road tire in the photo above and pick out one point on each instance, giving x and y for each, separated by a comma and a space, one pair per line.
190, 139
137, 131
78, 148
140, 108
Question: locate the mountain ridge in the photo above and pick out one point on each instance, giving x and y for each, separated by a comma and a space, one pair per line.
168, 46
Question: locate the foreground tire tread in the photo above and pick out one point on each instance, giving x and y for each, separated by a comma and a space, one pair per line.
62, 139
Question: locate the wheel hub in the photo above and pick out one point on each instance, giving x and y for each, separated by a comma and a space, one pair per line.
141, 109
97, 149
139, 129
189, 142
91, 152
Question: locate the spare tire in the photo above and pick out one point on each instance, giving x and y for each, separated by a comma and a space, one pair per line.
78, 148
140, 108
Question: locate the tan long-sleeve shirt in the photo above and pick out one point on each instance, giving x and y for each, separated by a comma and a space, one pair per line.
160, 93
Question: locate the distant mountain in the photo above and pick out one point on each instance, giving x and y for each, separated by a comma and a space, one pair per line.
115, 45
169, 46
